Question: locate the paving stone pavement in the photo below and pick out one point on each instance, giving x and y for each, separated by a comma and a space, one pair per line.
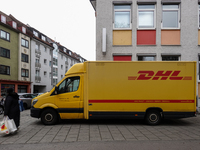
33, 131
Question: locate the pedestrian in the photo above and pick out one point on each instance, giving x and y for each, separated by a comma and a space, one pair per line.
12, 106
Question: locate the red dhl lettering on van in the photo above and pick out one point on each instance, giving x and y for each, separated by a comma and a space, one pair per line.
160, 75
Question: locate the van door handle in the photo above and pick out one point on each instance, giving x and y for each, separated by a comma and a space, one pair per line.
76, 96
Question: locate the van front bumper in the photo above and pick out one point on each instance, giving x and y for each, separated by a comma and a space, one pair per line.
35, 112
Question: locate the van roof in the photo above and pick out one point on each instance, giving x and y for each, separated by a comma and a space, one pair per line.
77, 68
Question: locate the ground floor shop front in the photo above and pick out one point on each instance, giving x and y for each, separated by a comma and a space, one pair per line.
18, 86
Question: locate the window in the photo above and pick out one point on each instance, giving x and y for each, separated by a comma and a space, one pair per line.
146, 58
61, 56
24, 73
122, 16
61, 66
4, 88
25, 43
45, 61
199, 67
69, 85
49, 63
24, 58
171, 16
55, 81
65, 50
55, 62
55, 72
43, 38
199, 16
146, 16
22, 89
37, 47
35, 33
45, 73
170, 58
3, 19
24, 30
14, 24
4, 52
49, 74
5, 35
37, 73
4, 70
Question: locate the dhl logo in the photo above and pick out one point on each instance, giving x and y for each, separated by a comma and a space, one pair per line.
160, 75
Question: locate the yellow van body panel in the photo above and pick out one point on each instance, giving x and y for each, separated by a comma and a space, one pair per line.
137, 86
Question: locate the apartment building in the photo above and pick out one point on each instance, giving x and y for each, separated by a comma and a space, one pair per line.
148, 30
14, 56
63, 60
41, 62
30, 61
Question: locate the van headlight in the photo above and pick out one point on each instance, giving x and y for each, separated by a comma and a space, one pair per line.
34, 102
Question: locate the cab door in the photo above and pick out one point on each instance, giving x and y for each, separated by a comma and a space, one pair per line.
69, 97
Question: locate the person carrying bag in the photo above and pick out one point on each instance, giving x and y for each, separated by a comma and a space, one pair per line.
12, 110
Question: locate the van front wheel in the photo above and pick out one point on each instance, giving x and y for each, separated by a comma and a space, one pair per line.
49, 117
153, 117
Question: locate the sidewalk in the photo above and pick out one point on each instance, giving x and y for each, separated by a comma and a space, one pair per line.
33, 131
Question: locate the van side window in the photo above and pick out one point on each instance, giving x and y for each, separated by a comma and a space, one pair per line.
69, 85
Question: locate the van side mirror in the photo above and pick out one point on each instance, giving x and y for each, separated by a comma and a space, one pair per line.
56, 90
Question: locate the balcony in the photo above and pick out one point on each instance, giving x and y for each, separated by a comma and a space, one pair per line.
38, 65
38, 51
37, 78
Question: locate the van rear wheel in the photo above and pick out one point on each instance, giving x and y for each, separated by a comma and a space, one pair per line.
153, 117
49, 117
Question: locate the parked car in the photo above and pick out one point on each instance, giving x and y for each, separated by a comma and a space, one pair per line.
26, 98
37, 94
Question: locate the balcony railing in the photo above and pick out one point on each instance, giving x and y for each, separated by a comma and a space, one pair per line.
38, 65
37, 78
38, 51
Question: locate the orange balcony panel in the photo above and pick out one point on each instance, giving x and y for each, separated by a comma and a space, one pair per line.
170, 37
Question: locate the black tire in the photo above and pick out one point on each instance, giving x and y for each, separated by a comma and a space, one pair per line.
49, 117
1, 110
153, 117
25, 106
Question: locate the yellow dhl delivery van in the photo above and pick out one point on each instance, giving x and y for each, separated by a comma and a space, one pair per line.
146, 90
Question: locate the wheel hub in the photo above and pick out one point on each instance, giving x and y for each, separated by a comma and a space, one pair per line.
48, 117
153, 117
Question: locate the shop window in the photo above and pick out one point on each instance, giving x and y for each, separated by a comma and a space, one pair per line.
22, 88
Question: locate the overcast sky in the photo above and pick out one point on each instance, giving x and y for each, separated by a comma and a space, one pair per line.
70, 22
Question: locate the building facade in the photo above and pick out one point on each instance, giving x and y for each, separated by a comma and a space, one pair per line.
41, 62
30, 61
148, 30
11, 57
